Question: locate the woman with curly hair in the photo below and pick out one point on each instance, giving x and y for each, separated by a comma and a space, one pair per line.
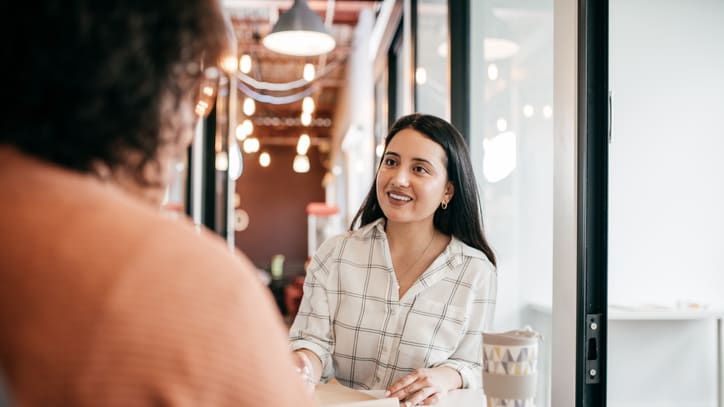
103, 300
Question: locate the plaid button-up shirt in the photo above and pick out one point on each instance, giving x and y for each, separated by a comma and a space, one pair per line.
367, 337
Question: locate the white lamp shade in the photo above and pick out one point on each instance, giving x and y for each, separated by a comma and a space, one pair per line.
299, 32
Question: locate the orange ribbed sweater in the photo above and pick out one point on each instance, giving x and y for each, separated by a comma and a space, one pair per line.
104, 302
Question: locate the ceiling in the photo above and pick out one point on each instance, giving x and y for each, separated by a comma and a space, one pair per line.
277, 116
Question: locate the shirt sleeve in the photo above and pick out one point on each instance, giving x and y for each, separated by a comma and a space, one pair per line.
312, 327
467, 358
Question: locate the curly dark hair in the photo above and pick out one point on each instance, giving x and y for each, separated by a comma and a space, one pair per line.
87, 78
463, 217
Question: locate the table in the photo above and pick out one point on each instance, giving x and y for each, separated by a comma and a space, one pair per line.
633, 313
335, 395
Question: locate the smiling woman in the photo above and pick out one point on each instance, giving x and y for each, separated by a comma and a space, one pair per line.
399, 302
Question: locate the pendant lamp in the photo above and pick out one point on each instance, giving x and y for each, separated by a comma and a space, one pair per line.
299, 32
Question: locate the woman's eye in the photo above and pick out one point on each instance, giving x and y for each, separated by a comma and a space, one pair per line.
389, 161
421, 169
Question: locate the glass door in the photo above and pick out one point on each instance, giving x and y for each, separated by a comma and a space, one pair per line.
512, 144
666, 177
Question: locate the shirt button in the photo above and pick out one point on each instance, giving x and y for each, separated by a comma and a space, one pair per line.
377, 379
393, 311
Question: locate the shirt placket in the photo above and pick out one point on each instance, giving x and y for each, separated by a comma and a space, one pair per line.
393, 330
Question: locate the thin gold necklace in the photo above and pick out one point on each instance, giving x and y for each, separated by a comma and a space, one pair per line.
419, 258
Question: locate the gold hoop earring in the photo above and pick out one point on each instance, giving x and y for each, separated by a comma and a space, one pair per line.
443, 205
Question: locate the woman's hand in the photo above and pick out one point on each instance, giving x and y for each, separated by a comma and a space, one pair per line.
307, 369
425, 386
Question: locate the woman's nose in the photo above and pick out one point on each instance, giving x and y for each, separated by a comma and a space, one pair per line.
400, 178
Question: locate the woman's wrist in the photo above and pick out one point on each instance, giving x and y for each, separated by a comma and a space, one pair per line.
306, 369
310, 371
455, 378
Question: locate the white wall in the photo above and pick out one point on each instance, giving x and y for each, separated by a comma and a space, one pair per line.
667, 166
666, 191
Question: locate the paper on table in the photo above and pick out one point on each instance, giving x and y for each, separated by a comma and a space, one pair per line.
333, 394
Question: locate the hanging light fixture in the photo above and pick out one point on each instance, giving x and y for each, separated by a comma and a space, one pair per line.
301, 163
299, 32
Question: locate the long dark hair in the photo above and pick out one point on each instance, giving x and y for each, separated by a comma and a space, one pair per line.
463, 217
88, 78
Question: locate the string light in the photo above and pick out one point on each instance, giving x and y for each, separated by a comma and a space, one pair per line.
306, 118
249, 106
229, 63
245, 63
251, 145
303, 144
264, 159
244, 129
301, 163
308, 104
309, 72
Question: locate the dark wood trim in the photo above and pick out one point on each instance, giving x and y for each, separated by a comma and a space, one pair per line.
208, 163
189, 174
459, 60
392, 58
413, 55
592, 306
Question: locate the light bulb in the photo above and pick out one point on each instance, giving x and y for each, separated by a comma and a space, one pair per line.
306, 118
309, 72
301, 163
421, 76
229, 63
501, 124
251, 145
245, 63
222, 161
303, 144
308, 104
547, 111
492, 72
249, 106
240, 133
247, 126
236, 165
202, 108
264, 159
528, 111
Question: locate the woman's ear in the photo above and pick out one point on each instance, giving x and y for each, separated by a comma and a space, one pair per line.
449, 192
